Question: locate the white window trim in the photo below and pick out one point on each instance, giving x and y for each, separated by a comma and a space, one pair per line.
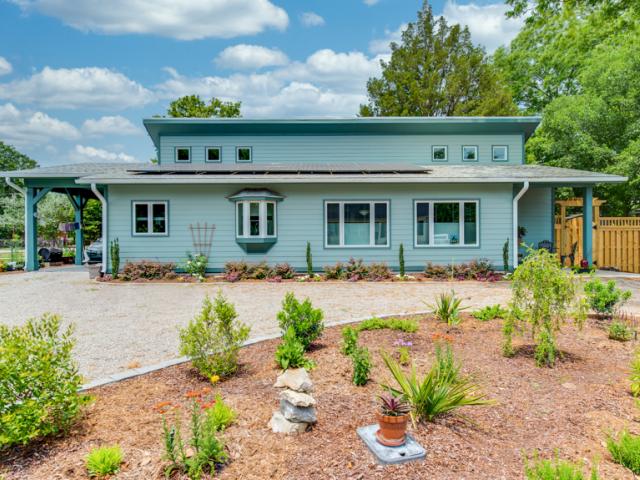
176, 155
150, 232
372, 223
206, 154
506, 153
475, 148
432, 244
246, 221
238, 154
446, 153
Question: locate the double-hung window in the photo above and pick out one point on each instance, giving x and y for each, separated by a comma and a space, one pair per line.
256, 219
440, 223
357, 223
150, 218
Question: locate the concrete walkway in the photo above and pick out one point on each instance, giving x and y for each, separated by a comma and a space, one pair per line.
124, 326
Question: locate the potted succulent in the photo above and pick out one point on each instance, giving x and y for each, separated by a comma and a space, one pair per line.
392, 416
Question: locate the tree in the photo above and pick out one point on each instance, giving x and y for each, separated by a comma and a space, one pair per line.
194, 106
11, 205
12, 159
535, 10
437, 70
53, 209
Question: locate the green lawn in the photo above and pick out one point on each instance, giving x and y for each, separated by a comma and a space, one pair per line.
5, 255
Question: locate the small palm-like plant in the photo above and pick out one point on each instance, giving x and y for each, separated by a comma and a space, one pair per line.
104, 461
393, 406
447, 308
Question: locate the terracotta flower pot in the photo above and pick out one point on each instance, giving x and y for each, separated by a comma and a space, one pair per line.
392, 429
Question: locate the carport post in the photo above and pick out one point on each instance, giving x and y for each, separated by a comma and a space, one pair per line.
31, 262
78, 204
587, 224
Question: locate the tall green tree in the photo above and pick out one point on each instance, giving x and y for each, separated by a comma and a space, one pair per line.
194, 106
12, 159
12, 205
437, 70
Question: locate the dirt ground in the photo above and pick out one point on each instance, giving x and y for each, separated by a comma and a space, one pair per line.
569, 409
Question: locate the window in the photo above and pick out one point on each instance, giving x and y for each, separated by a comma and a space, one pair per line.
439, 153
469, 153
243, 154
214, 154
357, 224
150, 218
183, 154
256, 219
500, 153
446, 223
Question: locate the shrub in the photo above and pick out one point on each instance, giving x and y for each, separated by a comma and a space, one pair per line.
213, 338
309, 260
505, 256
235, 271
625, 450
442, 390
555, 470
361, 366
490, 312
259, 271
375, 323
378, 271
196, 266
335, 272
307, 322
401, 260
635, 374
544, 297
284, 271
620, 331
103, 461
605, 298
290, 352
146, 270
447, 308
475, 270
39, 381
355, 269
219, 415
438, 272
404, 351
349, 340
114, 248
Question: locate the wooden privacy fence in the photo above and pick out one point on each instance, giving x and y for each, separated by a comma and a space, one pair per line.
616, 241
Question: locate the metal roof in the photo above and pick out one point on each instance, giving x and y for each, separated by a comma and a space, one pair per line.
73, 170
159, 126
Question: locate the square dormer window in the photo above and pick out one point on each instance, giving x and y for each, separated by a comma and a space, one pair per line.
439, 153
470, 153
214, 154
183, 154
500, 153
243, 154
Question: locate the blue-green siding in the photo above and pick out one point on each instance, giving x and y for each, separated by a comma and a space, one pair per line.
301, 219
536, 216
344, 148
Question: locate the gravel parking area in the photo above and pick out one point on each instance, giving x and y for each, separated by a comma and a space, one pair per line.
123, 326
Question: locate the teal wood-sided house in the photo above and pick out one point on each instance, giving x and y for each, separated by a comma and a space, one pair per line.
448, 189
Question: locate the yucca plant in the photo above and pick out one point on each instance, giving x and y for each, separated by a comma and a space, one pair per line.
441, 391
447, 308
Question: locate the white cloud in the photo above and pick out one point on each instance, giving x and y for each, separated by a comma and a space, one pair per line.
116, 125
370, 2
82, 153
77, 88
5, 66
311, 19
487, 23
24, 128
181, 19
382, 45
250, 57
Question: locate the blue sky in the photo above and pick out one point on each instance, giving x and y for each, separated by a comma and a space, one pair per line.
77, 77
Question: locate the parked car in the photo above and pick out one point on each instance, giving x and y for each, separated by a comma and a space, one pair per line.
93, 252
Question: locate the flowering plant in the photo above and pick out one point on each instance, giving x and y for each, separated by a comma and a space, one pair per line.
404, 350
196, 266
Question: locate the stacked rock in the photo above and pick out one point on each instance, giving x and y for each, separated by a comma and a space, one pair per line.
297, 408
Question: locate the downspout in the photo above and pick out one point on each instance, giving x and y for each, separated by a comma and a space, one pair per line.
103, 201
516, 245
23, 192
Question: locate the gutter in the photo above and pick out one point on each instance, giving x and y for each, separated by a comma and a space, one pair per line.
23, 192
525, 187
103, 201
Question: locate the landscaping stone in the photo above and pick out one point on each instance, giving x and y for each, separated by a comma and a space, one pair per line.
298, 399
298, 414
295, 379
279, 424
408, 452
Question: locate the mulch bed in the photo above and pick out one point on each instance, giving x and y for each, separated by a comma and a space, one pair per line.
569, 409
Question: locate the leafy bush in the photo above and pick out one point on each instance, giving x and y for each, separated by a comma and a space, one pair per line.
490, 312
544, 297
114, 248
401, 260
39, 381
284, 271
213, 338
219, 415
361, 365
355, 269
475, 270
146, 270
307, 322
438, 272
620, 331
555, 470
349, 340
103, 461
605, 298
235, 271
447, 308
196, 266
635, 374
403, 324
259, 271
442, 390
334, 272
290, 352
378, 271
625, 450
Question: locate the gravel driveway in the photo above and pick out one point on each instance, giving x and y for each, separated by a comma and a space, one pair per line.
119, 326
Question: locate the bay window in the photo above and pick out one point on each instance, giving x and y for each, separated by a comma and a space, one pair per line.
357, 223
255, 219
440, 223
